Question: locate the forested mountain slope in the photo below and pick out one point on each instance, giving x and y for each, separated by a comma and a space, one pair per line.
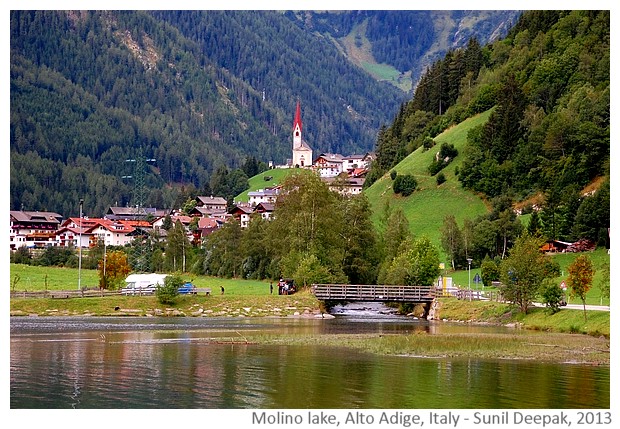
89, 90
398, 46
546, 145
197, 91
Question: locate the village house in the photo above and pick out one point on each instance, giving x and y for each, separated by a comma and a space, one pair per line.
203, 212
329, 164
267, 195
73, 232
119, 233
554, 246
242, 212
87, 232
206, 226
347, 186
33, 229
135, 213
351, 162
174, 217
211, 204
265, 210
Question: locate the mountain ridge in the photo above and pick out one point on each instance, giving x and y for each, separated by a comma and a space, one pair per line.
90, 89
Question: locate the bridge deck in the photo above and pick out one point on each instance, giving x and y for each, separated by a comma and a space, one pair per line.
381, 293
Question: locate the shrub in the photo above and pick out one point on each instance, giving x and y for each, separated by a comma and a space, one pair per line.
436, 166
21, 256
552, 295
428, 143
55, 256
441, 178
446, 154
489, 271
393, 174
168, 293
404, 184
448, 150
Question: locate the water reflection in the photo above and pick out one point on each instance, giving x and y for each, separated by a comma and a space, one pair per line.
179, 363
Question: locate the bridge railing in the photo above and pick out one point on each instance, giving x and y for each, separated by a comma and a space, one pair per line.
384, 293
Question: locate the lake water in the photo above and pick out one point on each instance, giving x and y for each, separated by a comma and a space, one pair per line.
191, 363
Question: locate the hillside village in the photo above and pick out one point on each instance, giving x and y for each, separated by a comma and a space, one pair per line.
119, 226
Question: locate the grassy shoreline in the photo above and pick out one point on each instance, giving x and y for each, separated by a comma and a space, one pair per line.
562, 342
551, 347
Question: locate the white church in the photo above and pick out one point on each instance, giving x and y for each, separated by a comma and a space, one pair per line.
302, 152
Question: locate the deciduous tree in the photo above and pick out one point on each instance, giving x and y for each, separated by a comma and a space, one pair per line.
168, 292
417, 265
177, 248
113, 269
523, 272
452, 240
580, 275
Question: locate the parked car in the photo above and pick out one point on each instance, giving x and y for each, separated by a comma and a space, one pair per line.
187, 288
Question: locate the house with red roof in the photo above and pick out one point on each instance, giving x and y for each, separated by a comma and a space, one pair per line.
87, 232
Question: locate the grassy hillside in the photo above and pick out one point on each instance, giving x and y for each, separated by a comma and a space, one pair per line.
258, 182
358, 50
429, 204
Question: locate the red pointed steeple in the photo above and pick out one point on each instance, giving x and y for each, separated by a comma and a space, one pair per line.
297, 120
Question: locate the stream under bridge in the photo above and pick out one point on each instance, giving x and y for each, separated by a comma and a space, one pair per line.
342, 293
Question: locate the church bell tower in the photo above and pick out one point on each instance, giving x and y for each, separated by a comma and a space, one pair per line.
297, 128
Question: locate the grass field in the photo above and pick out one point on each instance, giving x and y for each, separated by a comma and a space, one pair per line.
32, 278
426, 208
258, 182
566, 320
225, 305
599, 257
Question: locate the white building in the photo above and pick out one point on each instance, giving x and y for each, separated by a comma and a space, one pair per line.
302, 152
329, 164
267, 195
348, 186
33, 229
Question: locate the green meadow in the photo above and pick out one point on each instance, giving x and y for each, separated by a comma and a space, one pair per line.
258, 182
600, 259
34, 278
426, 208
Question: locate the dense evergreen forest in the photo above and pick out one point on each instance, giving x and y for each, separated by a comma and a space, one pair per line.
90, 90
197, 91
546, 144
410, 40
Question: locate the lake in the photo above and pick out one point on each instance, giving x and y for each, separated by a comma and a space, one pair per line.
125, 362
